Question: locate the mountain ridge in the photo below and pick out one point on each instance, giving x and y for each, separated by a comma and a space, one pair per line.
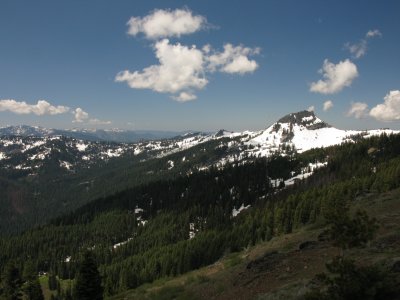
107, 135
294, 132
90, 169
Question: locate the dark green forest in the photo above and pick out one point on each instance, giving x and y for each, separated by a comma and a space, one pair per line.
155, 219
27, 201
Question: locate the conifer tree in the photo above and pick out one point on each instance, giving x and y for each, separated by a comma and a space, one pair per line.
11, 283
52, 282
349, 232
88, 281
32, 288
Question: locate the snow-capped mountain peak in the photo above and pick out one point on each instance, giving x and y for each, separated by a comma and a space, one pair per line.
302, 131
303, 118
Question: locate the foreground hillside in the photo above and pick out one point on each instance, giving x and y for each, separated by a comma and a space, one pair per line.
170, 227
283, 267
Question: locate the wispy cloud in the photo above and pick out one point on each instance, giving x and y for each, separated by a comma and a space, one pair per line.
357, 50
358, 110
99, 122
360, 49
328, 104
335, 77
373, 33
42, 107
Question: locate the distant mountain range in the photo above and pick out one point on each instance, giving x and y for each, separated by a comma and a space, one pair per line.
26, 147
111, 135
46, 172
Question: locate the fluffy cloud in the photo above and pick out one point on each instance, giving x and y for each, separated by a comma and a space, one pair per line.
335, 77
328, 104
311, 108
80, 115
166, 23
184, 96
42, 107
360, 49
358, 110
181, 69
233, 59
389, 110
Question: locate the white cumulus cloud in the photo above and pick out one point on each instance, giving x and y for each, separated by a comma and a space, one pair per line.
389, 110
335, 77
180, 69
358, 110
166, 23
80, 115
328, 104
311, 108
42, 107
233, 60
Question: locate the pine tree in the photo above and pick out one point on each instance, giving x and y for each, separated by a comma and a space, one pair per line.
32, 287
88, 281
33, 290
52, 282
11, 282
349, 232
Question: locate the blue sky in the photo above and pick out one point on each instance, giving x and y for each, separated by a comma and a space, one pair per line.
70, 53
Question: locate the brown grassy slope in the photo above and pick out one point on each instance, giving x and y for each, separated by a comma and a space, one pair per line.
278, 269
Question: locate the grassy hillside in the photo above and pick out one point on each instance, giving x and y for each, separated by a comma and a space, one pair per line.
277, 269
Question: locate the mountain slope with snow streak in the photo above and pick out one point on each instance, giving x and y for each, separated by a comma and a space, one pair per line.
295, 132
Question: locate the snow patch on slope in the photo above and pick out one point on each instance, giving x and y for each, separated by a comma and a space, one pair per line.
235, 211
81, 146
